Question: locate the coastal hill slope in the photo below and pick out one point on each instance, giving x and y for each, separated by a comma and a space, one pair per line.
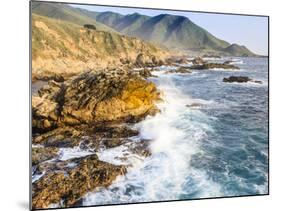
64, 48
237, 50
65, 12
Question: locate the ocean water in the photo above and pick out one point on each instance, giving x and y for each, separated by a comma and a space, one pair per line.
210, 139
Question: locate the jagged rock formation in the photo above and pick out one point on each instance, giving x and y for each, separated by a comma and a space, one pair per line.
109, 95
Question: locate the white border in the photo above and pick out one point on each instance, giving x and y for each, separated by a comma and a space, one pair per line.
15, 103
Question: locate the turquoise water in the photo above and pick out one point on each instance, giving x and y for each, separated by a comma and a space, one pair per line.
217, 147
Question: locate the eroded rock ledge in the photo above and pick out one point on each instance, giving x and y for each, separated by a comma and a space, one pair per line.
110, 95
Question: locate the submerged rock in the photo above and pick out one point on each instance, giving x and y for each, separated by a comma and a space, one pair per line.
240, 79
142, 148
194, 105
67, 186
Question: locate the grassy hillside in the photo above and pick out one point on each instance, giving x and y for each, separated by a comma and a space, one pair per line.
65, 48
67, 13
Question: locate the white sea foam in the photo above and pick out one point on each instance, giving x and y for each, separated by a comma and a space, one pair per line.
37, 177
165, 68
187, 64
76, 152
37, 146
249, 83
212, 59
190, 58
56, 205
167, 174
120, 155
237, 62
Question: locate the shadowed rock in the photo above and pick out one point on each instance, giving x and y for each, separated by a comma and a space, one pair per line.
240, 79
89, 26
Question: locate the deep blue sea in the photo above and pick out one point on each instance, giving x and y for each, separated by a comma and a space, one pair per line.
210, 139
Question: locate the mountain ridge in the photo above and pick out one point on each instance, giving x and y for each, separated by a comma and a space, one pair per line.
166, 30
177, 32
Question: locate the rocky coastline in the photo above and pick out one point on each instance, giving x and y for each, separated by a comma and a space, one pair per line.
92, 111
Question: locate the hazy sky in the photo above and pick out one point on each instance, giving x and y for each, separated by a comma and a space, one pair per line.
251, 31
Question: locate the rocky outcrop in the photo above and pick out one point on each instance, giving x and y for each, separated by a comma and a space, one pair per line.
45, 114
176, 60
86, 136
180, 70
240, 79
143, 61
140, 61
67, 185
41, 154
146, 73
46, 77
207, 66
65, 136
65, 182
198, 61
109, 95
